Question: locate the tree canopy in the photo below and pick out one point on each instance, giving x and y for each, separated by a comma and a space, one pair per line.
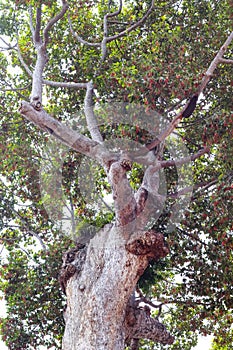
155, 67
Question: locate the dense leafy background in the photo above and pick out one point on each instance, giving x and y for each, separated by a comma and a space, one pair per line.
159, 66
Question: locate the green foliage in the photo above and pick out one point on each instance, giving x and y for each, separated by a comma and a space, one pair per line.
157, 66
33, 297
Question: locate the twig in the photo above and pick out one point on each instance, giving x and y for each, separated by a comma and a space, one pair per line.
133, 26
143, 299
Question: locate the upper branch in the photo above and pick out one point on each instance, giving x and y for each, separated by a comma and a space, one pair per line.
79, 38
38, 25
213, 65
191, 105
25, 66
106, 38
40, 46
181, 161
90, 115
31, 22
133, 26
108, 15
54, 20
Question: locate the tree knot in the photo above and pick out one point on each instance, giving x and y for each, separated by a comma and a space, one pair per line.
148, 243
36, 103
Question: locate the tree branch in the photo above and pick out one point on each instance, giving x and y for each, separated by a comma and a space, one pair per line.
38, 25
190, 106
214, 63
226, 61
25, 66
70, 85
133, 26
90, 115
123, 195
140, 325
143, 299
54, 20
42, 58
149, 202
31, 22
106, 38
202, 186
178, 162
65, 134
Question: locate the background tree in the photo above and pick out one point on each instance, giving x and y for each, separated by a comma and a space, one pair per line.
146, 54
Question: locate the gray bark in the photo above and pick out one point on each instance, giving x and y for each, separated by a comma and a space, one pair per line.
99, 314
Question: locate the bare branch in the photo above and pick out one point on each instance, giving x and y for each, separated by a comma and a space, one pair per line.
148, 198
116, 13
66, 135
147, 301
31, 22
70, 85
54, 20
178, 162
16, 89
38, 25
226, 61
202, 186
110, 15
106, 38
7, 45
79, 38
90, 115
214, 63
25, 66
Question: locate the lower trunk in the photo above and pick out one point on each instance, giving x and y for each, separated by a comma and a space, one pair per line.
99, 280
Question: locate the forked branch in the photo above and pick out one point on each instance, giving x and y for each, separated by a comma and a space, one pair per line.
54, 20
107, 39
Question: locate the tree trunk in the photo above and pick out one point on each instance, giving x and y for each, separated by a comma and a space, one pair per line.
99, 280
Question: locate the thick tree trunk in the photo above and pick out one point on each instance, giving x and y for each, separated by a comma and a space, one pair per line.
99, 280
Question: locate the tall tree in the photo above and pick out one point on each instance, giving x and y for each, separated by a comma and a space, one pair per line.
136, 97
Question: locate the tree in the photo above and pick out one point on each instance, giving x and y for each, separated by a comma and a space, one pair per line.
156, 108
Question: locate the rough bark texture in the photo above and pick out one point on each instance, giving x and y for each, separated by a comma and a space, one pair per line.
99, 314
